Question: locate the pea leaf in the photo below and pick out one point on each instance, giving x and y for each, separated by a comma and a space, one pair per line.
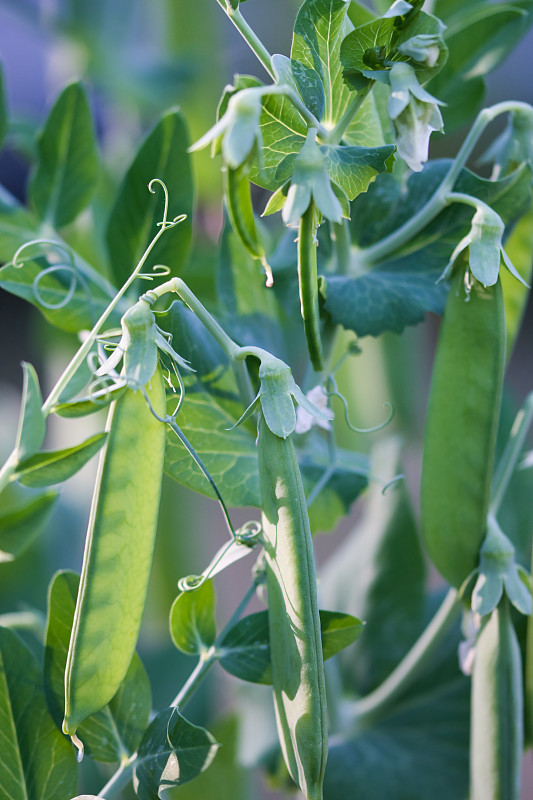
375, 34
245, 649
84, 406
32, 425
478, 41
67, 167
55, 466
405, 754
172, 752
283, 133
354, 168
17, 225
401, 289
319, 29
519, 248
192, 620
116, 729
378, 573
135, 216
36, 760
24, 514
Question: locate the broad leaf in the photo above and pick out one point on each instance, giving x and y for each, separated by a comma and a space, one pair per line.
118, 728
67, 169
399, 290
519, 248
245, 649
320, 27
478, 41
32, 425
134, 219
378, 574
36, 760
354, 168
283, 133
17, 225
376, 34
55, 466
418, 750
172, 752
23, 515
192, 620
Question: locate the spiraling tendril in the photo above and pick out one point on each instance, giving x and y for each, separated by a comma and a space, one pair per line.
76, 278
159, 271
165, 222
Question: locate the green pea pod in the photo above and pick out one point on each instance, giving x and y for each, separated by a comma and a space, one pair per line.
461, 427
294, 622
118, 554
241, 214
496, 741
308, 284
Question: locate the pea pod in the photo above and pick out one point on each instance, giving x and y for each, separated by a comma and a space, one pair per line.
241, 214
296, 650
461, 427
308, 283
118, 554
497, 706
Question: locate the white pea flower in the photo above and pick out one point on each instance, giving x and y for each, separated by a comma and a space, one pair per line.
304, 420
414, 114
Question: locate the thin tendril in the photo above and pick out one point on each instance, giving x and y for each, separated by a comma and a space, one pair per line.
159, 271
336, 393
392, 482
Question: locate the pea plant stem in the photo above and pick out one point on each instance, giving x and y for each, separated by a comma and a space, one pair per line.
336, 133
511, 454
368, 256
122, 776
179, 287
373, 706
249, 36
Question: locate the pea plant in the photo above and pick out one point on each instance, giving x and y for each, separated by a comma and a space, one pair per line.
337, 229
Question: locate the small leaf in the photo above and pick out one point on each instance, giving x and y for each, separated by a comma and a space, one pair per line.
134, 219
67, 170
91, 404
24, 513
245, 650
55, 466
36, 760
118, 728
192, 620
32, 423
172, 752
354, 168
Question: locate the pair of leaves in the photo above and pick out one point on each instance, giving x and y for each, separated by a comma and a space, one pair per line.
36, 760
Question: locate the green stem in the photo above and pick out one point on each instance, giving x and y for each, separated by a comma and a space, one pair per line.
336, 134
368, 256
378, 702
242, 378
342, 242
249, 36
122, 776
511, 454
308, 286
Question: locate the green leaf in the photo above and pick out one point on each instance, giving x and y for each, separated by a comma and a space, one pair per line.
172, 752
283, 133
55, 466
354, 168
519, 248
36, 760
478, 41
18, 225
67, 168
373, 35
90, 404
319, 29
401, 289
415, 750
245, 650
24, 513
71, 302
134, 219
32, 424
378, 573
192, 620
118, 728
